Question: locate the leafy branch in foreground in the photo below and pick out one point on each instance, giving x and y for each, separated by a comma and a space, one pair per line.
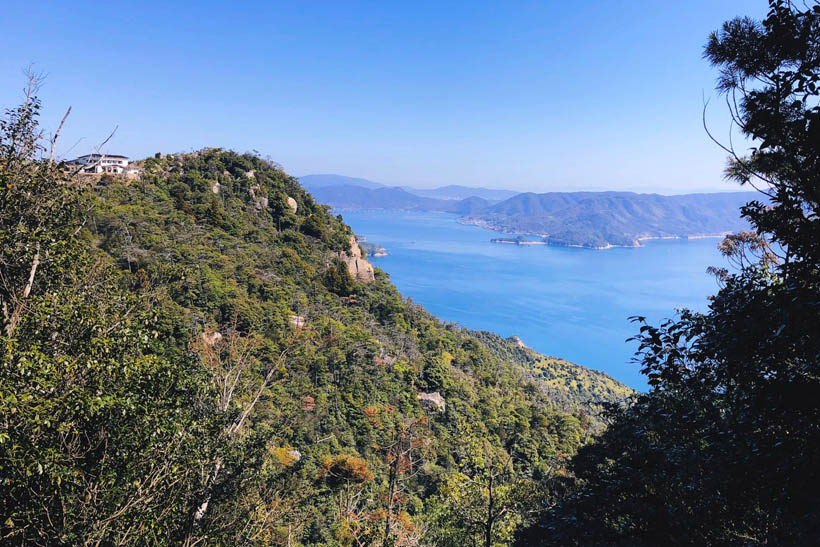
725, 448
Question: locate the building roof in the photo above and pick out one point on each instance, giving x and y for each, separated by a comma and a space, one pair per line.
113, 156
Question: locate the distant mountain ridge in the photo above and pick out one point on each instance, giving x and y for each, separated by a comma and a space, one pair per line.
455, 191
595, 220
603, 219
449, 192
356, 197
310, 182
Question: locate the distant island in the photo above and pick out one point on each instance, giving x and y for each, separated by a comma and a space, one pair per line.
601, 220
592, 220
520, 240
371, 249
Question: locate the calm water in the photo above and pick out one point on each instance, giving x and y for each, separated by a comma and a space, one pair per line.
566, 302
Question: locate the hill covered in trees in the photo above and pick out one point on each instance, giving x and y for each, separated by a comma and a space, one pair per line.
203, 356
572, 387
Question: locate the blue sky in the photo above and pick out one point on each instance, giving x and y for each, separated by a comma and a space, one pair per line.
537, 96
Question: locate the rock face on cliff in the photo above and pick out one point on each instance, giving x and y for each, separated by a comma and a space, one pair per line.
293, 205
432, 401
357, 265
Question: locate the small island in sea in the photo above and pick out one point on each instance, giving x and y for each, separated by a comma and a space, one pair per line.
519, 240
371, 249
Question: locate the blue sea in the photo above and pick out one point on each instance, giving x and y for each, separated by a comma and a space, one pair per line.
566, 302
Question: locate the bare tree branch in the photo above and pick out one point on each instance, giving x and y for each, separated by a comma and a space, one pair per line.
57, 136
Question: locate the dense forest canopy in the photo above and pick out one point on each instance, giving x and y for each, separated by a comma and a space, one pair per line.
187, 359
202, 356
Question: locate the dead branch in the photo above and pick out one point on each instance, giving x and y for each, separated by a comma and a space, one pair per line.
57, 136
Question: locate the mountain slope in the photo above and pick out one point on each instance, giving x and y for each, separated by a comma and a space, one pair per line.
600, 219
327, 407
572, 387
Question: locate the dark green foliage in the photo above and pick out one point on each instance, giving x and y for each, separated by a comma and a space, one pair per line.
725, 448
338, 280
38, 214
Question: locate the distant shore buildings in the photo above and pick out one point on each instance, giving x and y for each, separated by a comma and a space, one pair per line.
105, 163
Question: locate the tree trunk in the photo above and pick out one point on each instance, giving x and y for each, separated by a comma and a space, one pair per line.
203, 507
488, 529
390, 494
18, 309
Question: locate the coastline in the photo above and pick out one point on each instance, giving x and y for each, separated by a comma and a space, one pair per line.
546, 241
637, 243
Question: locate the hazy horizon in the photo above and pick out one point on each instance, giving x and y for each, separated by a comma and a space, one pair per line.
533, 97
727, 187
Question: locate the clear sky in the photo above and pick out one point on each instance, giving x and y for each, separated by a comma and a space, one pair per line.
537, 96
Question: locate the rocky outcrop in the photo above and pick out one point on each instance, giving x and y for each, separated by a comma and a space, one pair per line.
261, 202
355, 249
432, 401
360, 269
357, 266
292, 204
211, 338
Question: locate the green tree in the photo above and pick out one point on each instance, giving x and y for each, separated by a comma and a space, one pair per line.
101, 433
485, 502
725, 448
39, 212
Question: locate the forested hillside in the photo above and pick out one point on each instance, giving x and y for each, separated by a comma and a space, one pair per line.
202, 357
572, 387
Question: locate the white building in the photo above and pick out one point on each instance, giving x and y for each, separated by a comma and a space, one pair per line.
132, 171
102, 163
